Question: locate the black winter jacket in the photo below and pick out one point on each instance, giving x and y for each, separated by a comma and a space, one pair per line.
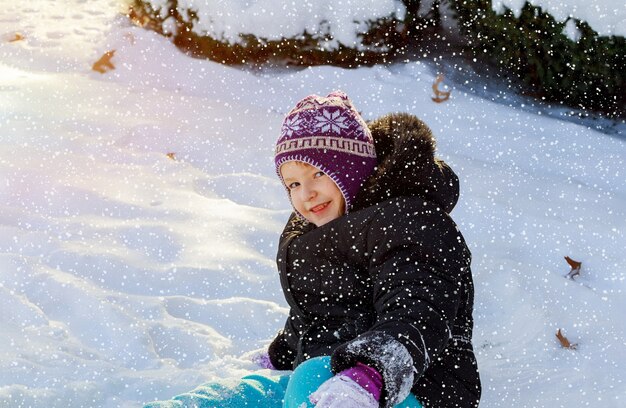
388, 284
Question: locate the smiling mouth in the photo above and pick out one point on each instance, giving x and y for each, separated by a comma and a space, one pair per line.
320, 207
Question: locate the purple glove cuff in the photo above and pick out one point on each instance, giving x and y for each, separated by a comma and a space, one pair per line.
367, 377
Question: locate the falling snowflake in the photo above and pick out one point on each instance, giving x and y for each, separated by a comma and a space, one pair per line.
333, 121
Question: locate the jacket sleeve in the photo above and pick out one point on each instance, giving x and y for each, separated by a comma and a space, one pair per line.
282, 350
416, 260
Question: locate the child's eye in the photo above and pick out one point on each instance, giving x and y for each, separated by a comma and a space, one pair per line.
293, 185
319, 174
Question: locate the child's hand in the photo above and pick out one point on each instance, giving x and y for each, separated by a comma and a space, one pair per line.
342, 392
262, 359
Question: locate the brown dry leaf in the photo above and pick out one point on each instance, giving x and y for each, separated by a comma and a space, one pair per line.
171, 155
564, 341
104, 64
575, 265
16, 37
440, 96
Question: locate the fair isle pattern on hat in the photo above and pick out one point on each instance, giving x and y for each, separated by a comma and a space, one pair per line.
328, 133
355, 147
333, 114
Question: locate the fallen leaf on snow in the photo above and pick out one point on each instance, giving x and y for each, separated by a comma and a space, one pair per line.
16, 37
564, 341
440, 96
171, 156
575, 265
104, 64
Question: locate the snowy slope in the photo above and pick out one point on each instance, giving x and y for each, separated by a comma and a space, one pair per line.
127, 276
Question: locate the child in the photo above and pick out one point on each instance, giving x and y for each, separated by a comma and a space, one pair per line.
375, 272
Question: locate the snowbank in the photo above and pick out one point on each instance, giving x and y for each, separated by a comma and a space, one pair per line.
272, 20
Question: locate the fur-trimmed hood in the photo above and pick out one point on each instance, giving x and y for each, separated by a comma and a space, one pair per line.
406, 165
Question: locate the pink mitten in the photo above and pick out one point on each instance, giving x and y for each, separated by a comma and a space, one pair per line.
342, 392
356, 387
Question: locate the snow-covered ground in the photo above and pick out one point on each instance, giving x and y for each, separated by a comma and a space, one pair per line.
128, 276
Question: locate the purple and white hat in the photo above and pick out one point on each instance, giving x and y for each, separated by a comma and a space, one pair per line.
329, 133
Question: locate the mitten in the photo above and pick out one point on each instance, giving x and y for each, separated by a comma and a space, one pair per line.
367, 377
262, 359
358, 387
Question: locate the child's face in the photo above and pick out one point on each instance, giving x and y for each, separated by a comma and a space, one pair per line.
313, 193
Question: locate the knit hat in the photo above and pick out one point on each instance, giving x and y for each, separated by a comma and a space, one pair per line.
328, 133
